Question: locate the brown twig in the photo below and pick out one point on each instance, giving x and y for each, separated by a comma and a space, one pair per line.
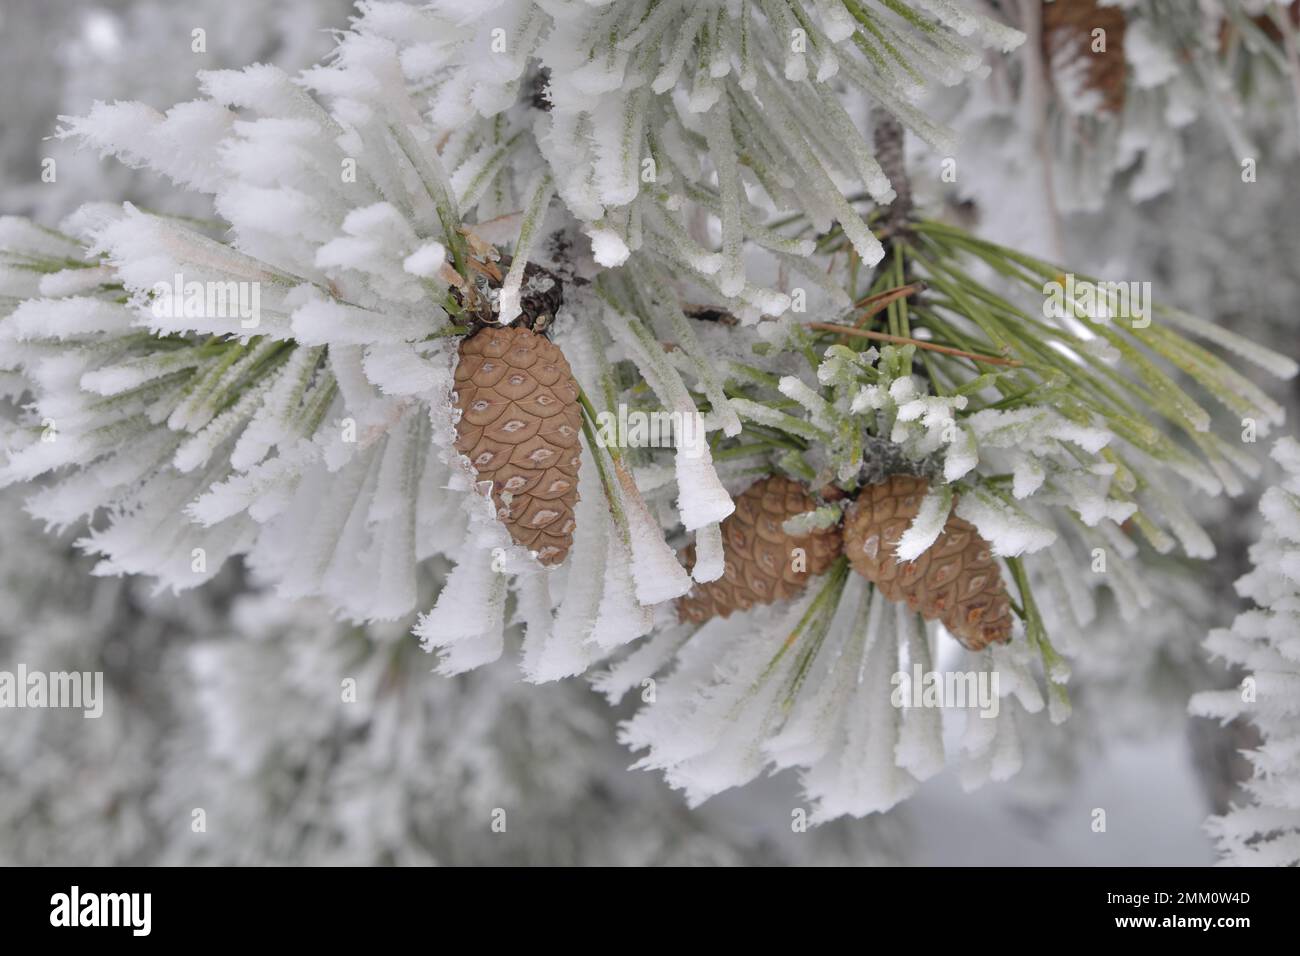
880, 301
887, 138
919, 343
889, 295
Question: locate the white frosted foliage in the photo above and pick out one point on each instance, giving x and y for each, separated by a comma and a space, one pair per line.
1262, 644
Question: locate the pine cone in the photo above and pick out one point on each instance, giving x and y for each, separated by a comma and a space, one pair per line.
956, 580
759, 562
1067, 38
519, 428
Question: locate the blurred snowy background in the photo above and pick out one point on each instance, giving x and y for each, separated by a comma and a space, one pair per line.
228, 699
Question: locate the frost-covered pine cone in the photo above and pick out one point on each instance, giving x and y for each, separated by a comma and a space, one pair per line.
764, 562
519, 427
955, 579
1069, 41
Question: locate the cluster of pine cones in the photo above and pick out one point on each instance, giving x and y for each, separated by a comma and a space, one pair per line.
519, 427
956, 580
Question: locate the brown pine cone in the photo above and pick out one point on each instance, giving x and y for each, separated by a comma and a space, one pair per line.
758, 552
519, 427
1067, 39
955, 580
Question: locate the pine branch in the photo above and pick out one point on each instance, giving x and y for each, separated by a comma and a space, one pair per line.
888, 138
